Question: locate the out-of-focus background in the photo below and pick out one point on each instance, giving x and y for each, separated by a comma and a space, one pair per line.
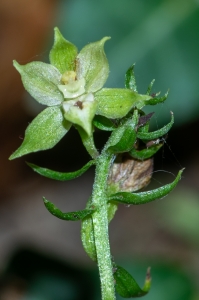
41, 257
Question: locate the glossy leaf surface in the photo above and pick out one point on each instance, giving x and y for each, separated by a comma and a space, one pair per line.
44, 132
41, 80
145, 197
63, 53
70, 216
60, 175
127, 287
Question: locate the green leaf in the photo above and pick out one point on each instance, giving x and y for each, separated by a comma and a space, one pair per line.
126, 286
150, 87
145, 197
41, 81
44, 132
124, 137
70, 216
103, 123
116, 103
63, 53
59, 175
156, 134
92, 65
88, 239
155, 100
144, 153
130, 82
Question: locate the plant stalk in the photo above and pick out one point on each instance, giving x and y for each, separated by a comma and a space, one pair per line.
100, 224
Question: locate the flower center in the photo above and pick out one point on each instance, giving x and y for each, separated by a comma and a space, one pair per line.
72, 87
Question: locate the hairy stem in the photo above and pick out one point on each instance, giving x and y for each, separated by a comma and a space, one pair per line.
100, 224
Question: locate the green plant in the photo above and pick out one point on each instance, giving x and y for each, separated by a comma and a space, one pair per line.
72, 88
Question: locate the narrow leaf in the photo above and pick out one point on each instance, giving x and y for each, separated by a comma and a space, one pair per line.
116, 103
127, 287
130, 82
150, 87
103, 123
63, 53
41, 80
70, 216
59, 175
145, 197
145, 153
156, 134
155, 100
44, 132
92, 65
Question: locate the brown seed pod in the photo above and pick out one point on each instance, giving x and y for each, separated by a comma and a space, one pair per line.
128, 174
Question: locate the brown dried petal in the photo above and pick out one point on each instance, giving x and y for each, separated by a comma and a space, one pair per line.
128, 174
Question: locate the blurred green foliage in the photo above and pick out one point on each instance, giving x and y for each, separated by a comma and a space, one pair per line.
160, 36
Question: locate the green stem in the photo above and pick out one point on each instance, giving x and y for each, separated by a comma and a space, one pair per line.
88, 142
100, 224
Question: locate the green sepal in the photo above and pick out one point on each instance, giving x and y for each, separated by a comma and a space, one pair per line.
156, 100
156, 134
59, 175
124, 137
81, 117
63, 53
44, 132
41, 80
116, 103
145, 197
70, 216
103, 123
126, 286
92, 65
145, 153
130, 82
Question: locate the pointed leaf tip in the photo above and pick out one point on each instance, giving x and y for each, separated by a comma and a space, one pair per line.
145, 197
59, 175
126, 286
44, 132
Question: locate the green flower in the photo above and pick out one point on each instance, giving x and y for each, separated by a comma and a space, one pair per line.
71, 88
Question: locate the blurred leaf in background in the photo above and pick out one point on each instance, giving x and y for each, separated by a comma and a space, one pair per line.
161, 37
